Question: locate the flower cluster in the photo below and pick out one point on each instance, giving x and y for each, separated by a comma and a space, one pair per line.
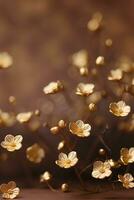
102, 100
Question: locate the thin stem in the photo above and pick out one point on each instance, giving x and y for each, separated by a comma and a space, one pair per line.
50, 187
105, 145
87, 167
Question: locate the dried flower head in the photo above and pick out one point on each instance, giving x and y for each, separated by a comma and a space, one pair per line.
12, 143
46, 176
24, 117
127, 155
95, 23
119, 108
84, 89
101, 169
100, 60
7, 119
79, 128
5, 60
115, 75
35, 153
9, 190
61, 145
80, 59
67, 161
65, 187
53, 87
127, 180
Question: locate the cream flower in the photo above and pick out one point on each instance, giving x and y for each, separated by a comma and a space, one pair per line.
5, 60
67, 161
80, 59
116, 74
12, 143
119, 108
127, 180
35, 153
24, 117
79, 128
9, 190
84, 89
101, 169
127, 155
53, 87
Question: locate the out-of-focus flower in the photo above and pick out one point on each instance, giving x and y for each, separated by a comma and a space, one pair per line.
9, 190
46, 176
7, 119
108, 42
5, 60
119, 108
125, 64
94, 98
100, 60
127, 180
53, 87
12, 143
133, 81
127, 155
24, 117
67, 161
35, 153
115, 75
79, 128
101, 169
80, 59
84, 89
95, 22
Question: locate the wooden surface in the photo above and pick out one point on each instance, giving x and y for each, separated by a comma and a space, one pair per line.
40, 194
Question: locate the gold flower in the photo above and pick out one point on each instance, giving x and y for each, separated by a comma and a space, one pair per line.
127, 155
119, 108
35, 153
116, 74
84, 89
12, 143
67, 161
24, 117
46, 176
80, 59
7, 119
53, 87
101, 169
5, 60
127, 180
79, 128
9, 190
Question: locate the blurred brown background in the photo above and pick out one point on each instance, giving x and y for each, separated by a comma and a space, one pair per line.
41, 35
